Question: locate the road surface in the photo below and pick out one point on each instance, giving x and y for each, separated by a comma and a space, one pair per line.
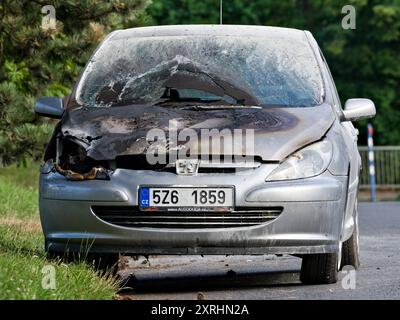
271, 277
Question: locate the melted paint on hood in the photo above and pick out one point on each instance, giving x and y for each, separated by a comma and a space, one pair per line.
110, 132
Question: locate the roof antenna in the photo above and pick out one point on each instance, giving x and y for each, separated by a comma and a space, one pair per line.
220, 12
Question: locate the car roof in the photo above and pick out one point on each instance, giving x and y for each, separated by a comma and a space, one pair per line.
209, 30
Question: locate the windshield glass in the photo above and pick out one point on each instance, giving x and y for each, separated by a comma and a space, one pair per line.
202, 70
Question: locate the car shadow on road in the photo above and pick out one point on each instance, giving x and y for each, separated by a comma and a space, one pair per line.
230, 280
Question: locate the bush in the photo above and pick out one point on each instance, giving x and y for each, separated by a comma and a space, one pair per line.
36, 62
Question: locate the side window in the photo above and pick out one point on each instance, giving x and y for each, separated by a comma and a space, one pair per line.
338, 106
332, 84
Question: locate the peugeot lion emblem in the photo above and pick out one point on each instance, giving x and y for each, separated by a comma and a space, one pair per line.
188, 167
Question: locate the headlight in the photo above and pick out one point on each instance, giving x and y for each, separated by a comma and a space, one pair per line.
307, 162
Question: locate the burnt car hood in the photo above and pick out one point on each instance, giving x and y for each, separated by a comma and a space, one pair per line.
106, 133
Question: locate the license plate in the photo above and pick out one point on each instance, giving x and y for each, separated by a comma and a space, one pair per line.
186, 198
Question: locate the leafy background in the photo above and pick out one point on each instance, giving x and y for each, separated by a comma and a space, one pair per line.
34, 63
364, 62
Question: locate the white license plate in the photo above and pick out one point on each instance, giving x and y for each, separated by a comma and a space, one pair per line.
186, 198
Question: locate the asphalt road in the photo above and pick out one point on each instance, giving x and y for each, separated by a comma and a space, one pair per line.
271, 277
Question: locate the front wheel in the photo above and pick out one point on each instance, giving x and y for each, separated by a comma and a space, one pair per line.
319, 268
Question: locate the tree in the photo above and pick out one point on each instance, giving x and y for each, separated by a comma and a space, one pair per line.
35, 61
364, 61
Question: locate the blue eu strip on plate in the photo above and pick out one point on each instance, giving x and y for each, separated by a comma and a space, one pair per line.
144, 197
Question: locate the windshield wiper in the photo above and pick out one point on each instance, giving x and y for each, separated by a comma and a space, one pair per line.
199, 101
188, 101
220, 107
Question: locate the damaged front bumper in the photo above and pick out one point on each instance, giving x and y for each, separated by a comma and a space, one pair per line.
310, 221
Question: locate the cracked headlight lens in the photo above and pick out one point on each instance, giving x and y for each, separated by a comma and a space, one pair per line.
307, 162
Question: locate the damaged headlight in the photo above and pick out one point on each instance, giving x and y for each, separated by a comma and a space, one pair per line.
307, 162
75, 165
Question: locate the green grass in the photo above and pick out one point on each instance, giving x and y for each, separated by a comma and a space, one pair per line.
23, 264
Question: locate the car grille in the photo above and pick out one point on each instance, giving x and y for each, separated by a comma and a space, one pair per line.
131, 216
139, 162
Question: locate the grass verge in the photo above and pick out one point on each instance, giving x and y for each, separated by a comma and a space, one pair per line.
25, 273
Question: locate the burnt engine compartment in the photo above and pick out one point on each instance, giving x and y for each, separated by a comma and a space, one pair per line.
72, 161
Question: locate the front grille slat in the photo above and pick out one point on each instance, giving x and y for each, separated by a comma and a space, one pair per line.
188, 218
187, 223
131, 216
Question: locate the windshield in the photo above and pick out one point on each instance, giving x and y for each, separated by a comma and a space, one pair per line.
202, 70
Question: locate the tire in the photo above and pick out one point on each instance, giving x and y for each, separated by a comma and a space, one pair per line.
319, 268
350, 250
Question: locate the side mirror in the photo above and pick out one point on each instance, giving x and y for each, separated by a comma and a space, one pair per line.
357, 109
50, 107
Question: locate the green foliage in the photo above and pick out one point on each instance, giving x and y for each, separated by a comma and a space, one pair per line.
22, 257
21, 277
36, 62
364, 62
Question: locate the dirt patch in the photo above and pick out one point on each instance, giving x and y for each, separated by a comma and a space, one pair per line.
28, 225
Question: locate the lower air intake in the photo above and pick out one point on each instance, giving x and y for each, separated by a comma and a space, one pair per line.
132, 217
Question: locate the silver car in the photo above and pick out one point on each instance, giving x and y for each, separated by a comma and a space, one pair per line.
204, 140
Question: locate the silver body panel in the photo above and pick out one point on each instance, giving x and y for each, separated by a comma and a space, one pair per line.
311, 220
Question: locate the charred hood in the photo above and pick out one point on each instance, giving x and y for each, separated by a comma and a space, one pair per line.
107, 133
